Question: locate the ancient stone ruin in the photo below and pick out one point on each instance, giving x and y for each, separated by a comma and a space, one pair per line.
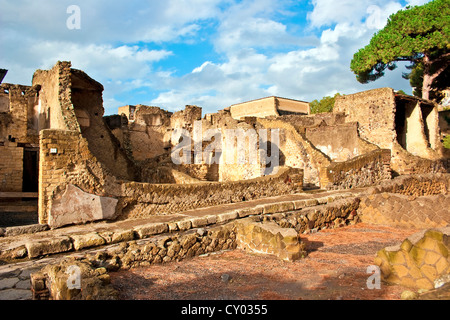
57, 146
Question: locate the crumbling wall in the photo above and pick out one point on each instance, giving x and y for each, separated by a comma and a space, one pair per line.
300, 153
339, 142
147, 133
395, 122
361, 171
18, 129
71, 100
65, 158
374, 111
73, 163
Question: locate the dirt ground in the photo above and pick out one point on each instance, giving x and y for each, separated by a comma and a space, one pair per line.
335, 269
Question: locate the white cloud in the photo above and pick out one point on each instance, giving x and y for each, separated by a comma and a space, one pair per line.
257, 53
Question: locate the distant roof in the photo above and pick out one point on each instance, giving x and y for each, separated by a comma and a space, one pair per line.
268, 98
3, 73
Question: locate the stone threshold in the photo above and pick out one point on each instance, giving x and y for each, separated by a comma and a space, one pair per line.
43, 242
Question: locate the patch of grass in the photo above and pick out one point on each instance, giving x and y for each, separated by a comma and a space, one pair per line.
446, 141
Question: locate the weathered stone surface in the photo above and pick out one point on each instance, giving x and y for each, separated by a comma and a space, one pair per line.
151, 229
117, 236
51, 246
15, 294
279, 207
269, 238
76, 206
430, 211
227, 216
8, 283
199, 222
72, 280
419, 261
15, 231
87, 240
184, 225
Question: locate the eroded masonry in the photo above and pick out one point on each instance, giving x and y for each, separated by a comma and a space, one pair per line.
55, 140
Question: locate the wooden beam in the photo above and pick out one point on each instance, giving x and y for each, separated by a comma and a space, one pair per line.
18, 194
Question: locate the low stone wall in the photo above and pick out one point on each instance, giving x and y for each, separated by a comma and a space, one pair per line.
415, 185
140, 200
361, 171
52, 281
399, 211
336, 214
419, 261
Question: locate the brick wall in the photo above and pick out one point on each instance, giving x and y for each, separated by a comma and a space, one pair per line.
11, 168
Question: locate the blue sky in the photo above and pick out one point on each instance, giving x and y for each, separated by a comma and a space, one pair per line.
210, 53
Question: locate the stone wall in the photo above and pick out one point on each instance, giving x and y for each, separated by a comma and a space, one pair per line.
339, 142
406, 125
139, 200
415, 185
398, 210
51, 282
374, 110
390, 203
309, 215
18, 129
362, 171
11, 167
298, 152
73, 164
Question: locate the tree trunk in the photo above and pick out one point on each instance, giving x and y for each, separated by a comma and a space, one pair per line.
427, 77
430, 74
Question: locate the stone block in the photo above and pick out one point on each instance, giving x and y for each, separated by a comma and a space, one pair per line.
245, 212
227, 216
34, 228
184, 225
76, 206
50, 246
198, 222
278, 207
87, 240
148, 230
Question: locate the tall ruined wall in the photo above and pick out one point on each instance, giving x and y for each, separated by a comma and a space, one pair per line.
374, 111
65, 158
298, 152
406, 125
56, 110
339, 142
18, 128
70, 100
147, 132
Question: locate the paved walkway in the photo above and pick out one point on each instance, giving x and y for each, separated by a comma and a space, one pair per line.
15, 275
